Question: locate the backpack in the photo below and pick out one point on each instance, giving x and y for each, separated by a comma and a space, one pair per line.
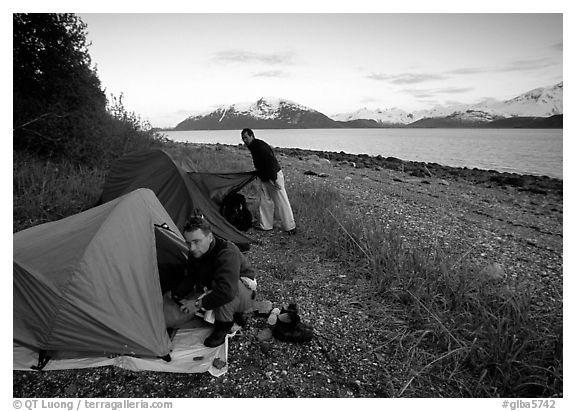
235, 210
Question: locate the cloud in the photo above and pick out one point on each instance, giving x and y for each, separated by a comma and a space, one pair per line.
271, 74
454, 90
519, 65
422, 94
432, 93
406, 78
249, 57
469, 70
369, 100
557, 46
527, 65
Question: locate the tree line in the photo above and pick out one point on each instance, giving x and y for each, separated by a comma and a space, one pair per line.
60, 110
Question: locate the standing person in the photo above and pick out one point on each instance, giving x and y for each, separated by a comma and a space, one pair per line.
218, 267
273, 192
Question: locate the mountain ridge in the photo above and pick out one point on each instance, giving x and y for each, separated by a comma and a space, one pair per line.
273, 112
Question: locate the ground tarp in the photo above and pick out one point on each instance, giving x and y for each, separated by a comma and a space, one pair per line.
188, 355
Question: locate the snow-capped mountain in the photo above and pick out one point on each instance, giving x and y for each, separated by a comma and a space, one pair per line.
540, 102
474, 116
267, 112
387, 116
272, 112
265, 108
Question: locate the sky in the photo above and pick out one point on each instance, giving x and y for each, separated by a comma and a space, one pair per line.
169, 66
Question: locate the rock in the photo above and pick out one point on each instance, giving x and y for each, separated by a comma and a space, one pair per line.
533, 184
264, 335
314, 173
444, 182
266, 347
262, 307
418, 173
71, 389
347, 178
325, 161
493, 271
313, 158
218, 363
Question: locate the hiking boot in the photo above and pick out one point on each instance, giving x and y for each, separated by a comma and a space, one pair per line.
289, 328
258, 227
291, 232
218, 336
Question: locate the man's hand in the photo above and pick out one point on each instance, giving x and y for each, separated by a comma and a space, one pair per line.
276, 185
189, 306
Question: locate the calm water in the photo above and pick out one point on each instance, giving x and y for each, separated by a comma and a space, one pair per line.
523, 151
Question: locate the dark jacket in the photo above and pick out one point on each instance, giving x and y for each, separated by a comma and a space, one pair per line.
264, 160
219, 270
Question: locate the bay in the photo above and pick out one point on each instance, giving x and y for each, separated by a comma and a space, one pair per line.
522, 151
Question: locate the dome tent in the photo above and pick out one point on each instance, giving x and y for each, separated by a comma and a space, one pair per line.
180, 190
87, 292
90, 282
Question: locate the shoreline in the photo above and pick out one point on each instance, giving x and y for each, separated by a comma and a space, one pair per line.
543, 185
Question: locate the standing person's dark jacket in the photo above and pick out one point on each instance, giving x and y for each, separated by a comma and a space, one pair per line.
264, 160
219, 270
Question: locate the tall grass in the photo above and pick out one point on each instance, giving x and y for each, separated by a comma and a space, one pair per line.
46, 191
486, 336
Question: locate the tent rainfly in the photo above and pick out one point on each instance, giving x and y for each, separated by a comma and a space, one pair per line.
180, 190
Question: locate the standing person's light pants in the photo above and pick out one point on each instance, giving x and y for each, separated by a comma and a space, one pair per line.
273, 197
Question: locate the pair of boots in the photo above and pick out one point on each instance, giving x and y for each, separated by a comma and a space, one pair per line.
290, 328
223, 328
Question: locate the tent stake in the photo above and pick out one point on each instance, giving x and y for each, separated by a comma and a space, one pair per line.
43, 359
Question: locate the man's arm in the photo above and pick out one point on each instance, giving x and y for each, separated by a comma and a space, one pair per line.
224, 281
265, 161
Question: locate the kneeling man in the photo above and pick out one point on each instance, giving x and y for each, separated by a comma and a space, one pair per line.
219, 268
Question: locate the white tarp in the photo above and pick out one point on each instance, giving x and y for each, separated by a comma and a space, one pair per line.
189, 355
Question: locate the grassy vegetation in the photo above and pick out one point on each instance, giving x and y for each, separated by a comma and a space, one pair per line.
462, 324
485, 335
46, 191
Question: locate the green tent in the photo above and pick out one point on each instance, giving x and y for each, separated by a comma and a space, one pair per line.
180, 190
90, 282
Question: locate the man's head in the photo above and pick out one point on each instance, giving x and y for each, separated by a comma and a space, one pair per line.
247, 136
198, 235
